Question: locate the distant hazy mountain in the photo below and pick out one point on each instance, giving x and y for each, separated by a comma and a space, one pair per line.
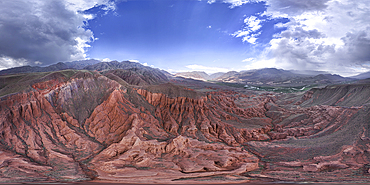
138, 74
197, 75
274, 77
308, 72
227, 75
55, 67
32, 69
259, 76
362, 75
81, 63
200, 75
102, 66
216, 75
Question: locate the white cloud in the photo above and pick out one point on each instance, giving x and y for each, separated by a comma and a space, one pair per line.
249, 32
144, 64
106, 60
88, 16
259, 64
207, 69
133, 60
235, 3
248, 60
331, 35
81, 5
6, 62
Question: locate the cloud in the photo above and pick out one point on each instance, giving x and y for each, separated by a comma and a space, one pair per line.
209, 70
249, 32
234, 3
248, 60
288, 8
6, 62
331, 35
106, 60
133, 60
259, 64
45, 32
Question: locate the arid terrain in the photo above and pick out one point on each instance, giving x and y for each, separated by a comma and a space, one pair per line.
124, 122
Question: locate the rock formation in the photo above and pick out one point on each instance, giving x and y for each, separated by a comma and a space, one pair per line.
83, 125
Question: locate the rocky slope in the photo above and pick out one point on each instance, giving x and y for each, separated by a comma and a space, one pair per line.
54, 67
270, 77
84, 125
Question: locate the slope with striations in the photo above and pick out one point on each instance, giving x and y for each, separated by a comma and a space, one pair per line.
78, 125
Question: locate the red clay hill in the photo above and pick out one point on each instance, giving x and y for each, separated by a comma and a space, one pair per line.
142, 126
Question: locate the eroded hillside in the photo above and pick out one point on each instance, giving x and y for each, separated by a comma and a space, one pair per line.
81, 125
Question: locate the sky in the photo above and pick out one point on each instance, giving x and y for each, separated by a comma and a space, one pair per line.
190, 35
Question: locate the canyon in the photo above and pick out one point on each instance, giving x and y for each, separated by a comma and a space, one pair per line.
143, 126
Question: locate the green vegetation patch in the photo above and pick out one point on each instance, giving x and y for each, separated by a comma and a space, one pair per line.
280, 89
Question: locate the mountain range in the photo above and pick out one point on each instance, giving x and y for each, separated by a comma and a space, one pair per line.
270, 77
266, 76
127, 123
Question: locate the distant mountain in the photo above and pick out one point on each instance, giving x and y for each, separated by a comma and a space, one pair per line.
259, 76
216, 75
33, 69
197, 75
102, 66
362, 75
138, 76
280, 77
227, 75
81, 63
55, 67
200, 75
308, 72
132, 72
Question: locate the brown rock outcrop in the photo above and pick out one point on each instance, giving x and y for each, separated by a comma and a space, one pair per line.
207, 117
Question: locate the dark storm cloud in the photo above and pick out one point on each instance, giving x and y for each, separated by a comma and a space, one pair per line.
301, 54
43, 31
299, 32
356, 49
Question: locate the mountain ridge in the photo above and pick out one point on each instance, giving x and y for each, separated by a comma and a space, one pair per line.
264, 76
114, 124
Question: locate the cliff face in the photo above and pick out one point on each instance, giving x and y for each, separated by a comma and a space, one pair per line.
86, 126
